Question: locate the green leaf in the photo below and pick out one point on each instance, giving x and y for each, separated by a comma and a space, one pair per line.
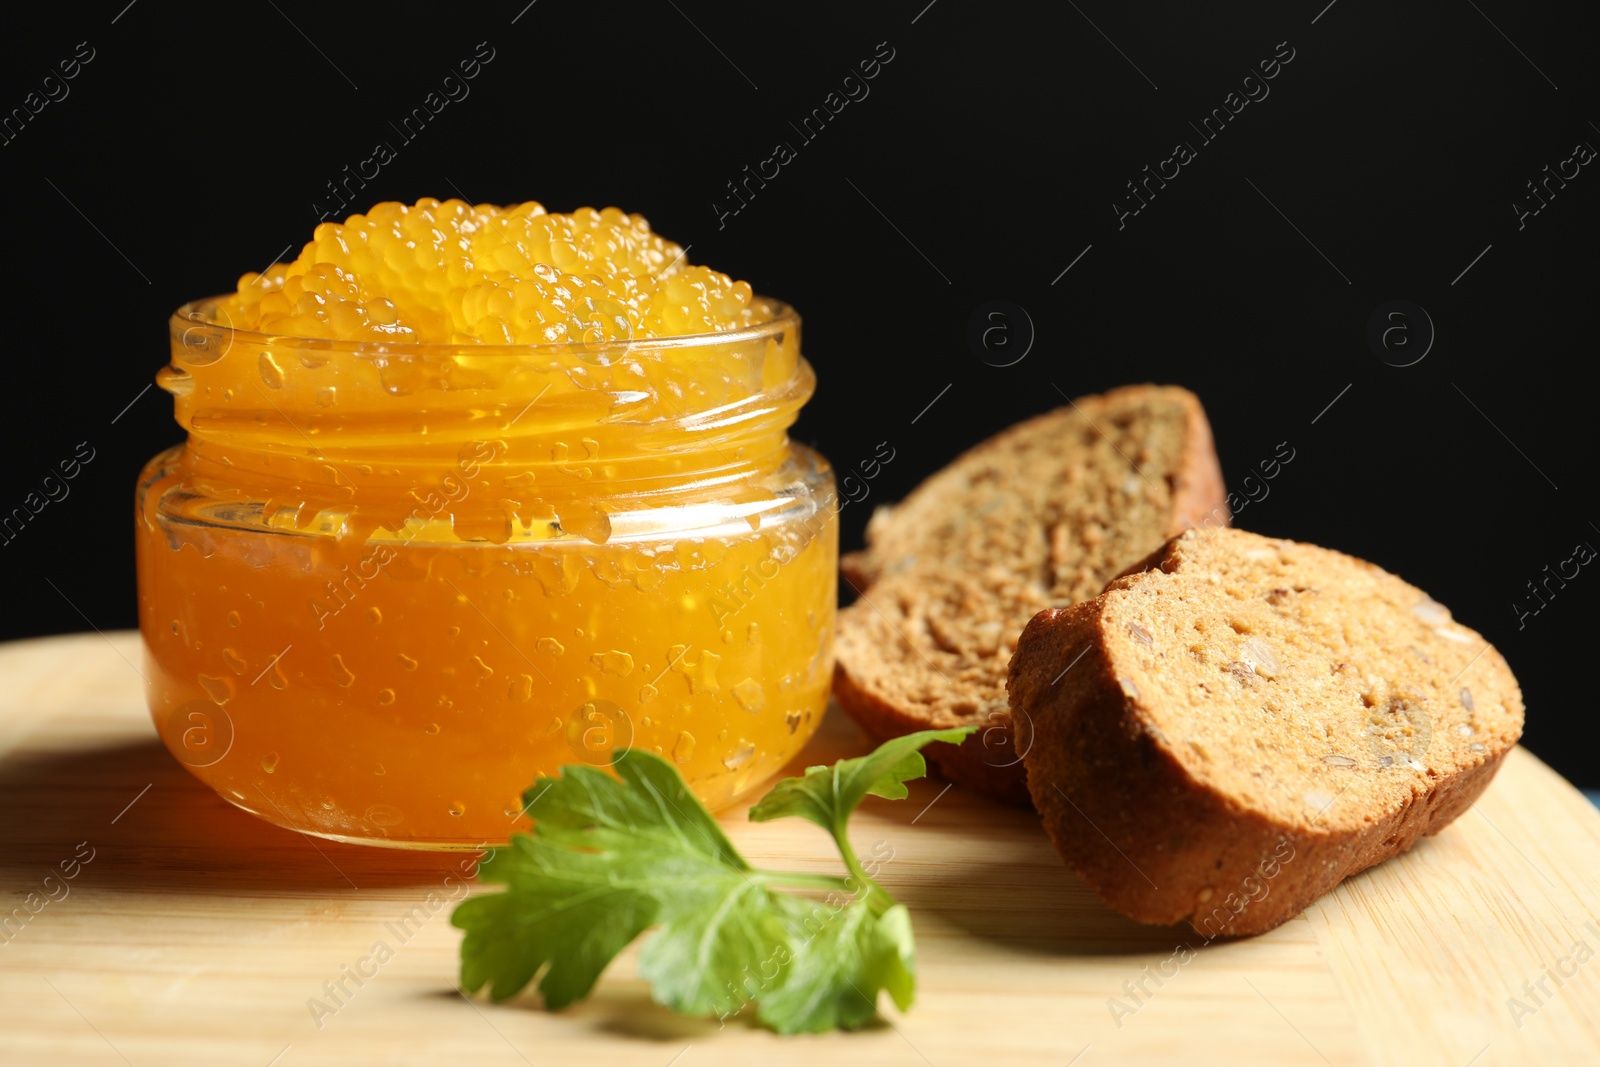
562, 915
839, 962
610, 857
827, 795
607, 860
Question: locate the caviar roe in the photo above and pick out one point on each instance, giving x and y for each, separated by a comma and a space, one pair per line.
455, 273
398, 570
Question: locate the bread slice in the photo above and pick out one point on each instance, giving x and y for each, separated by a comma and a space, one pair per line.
1241, 723
1042, 514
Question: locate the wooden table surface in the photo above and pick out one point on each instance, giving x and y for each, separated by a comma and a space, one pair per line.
197, 934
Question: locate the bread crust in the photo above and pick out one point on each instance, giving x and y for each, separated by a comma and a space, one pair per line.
986, 762
1154, 842
991, 762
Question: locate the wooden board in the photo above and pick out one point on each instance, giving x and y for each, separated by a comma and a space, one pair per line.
197, 934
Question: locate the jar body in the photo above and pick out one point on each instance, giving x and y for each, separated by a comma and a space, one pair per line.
403, 683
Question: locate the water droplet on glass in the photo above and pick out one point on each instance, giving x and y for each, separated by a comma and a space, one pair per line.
407, 662
269, 762
341, 673
233, 618
683, 748
234, 661
386, 696
271, 373
432, 729
220, 690
549, 645
614, 662
458, 809
374, 616
485, 672
742, 753
749, 695
521, 688
385, 815
647, 693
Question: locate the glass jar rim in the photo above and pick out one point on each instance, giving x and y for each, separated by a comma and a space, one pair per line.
194, 317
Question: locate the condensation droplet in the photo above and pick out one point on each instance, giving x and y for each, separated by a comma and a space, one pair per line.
385, 815
647, 693
407, 662
341, 673
727, 637
271, 373
549, 645
374, 616
234, 661
683, 748
458, 809
454, 631
645, 723
233, 618
269, 762
432, 728
753, 635
614, 662
220, 690
749, 695
380, 770
386, 696
327, 396
792, 721
485, 672
742, 753
521, 688
276, 678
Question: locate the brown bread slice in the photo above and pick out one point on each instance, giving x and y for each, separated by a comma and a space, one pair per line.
1232, 730
1042, 514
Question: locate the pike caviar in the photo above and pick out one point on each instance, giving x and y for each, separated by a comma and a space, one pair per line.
471, 493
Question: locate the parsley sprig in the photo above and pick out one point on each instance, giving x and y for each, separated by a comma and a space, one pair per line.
611, 857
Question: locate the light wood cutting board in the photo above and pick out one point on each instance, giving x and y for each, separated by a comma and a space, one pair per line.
197, 934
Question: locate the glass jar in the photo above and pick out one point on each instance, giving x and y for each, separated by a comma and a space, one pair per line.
383, 587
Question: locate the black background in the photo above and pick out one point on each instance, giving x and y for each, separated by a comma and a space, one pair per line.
985, 160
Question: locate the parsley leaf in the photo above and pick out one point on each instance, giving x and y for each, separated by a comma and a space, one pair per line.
827, 795
610, 858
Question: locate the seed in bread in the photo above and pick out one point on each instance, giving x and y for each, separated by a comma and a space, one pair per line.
1042, 514
1227, 733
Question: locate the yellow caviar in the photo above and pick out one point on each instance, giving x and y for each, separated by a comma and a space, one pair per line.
457, 273
394, 574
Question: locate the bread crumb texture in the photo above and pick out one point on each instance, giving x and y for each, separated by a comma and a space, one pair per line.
1245, 697
1044, 514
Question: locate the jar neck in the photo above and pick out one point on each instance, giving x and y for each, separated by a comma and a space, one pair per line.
492, 442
